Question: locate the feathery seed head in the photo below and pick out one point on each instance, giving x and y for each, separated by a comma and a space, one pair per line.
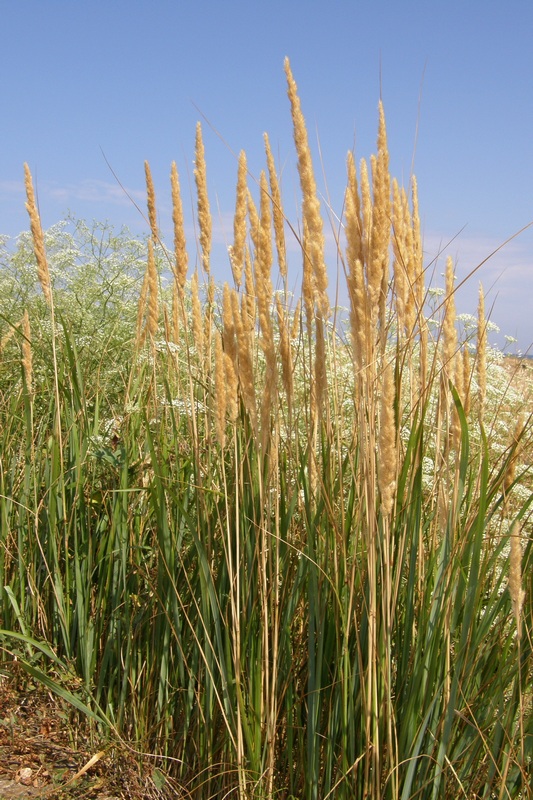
43, 272
449, 331
204, 213
150, 193
180, 245
277, 210
310, 202
239, 221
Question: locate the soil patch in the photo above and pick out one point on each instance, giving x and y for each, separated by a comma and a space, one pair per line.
46, 752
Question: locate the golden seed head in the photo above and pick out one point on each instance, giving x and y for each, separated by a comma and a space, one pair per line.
449, 332
239, 221
378, 263
277, 210
43, 272
366, 211
354, 225
150, 193
9, 335
314, 237
204, 213
263, 265
180, 245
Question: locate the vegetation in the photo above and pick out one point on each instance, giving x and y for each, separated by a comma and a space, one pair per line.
288, 554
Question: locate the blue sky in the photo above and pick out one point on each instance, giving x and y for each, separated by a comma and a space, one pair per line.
130, 80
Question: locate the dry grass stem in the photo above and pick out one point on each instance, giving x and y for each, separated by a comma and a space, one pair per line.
285, 354
177, 311
245, 361
418, 256
232, 388
321, 378
197, 321
515, 576
152, 322
460, 387
220, 397
467, 379
387, 455
141, 308
481, 354
27, 360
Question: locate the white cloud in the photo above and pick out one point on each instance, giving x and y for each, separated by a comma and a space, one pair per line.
93, 191
11, 187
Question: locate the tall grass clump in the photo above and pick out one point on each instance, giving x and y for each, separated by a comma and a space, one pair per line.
287, 556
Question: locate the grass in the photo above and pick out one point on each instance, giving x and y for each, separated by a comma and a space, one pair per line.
270, 547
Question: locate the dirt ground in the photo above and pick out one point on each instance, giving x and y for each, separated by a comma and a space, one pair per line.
46, 753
